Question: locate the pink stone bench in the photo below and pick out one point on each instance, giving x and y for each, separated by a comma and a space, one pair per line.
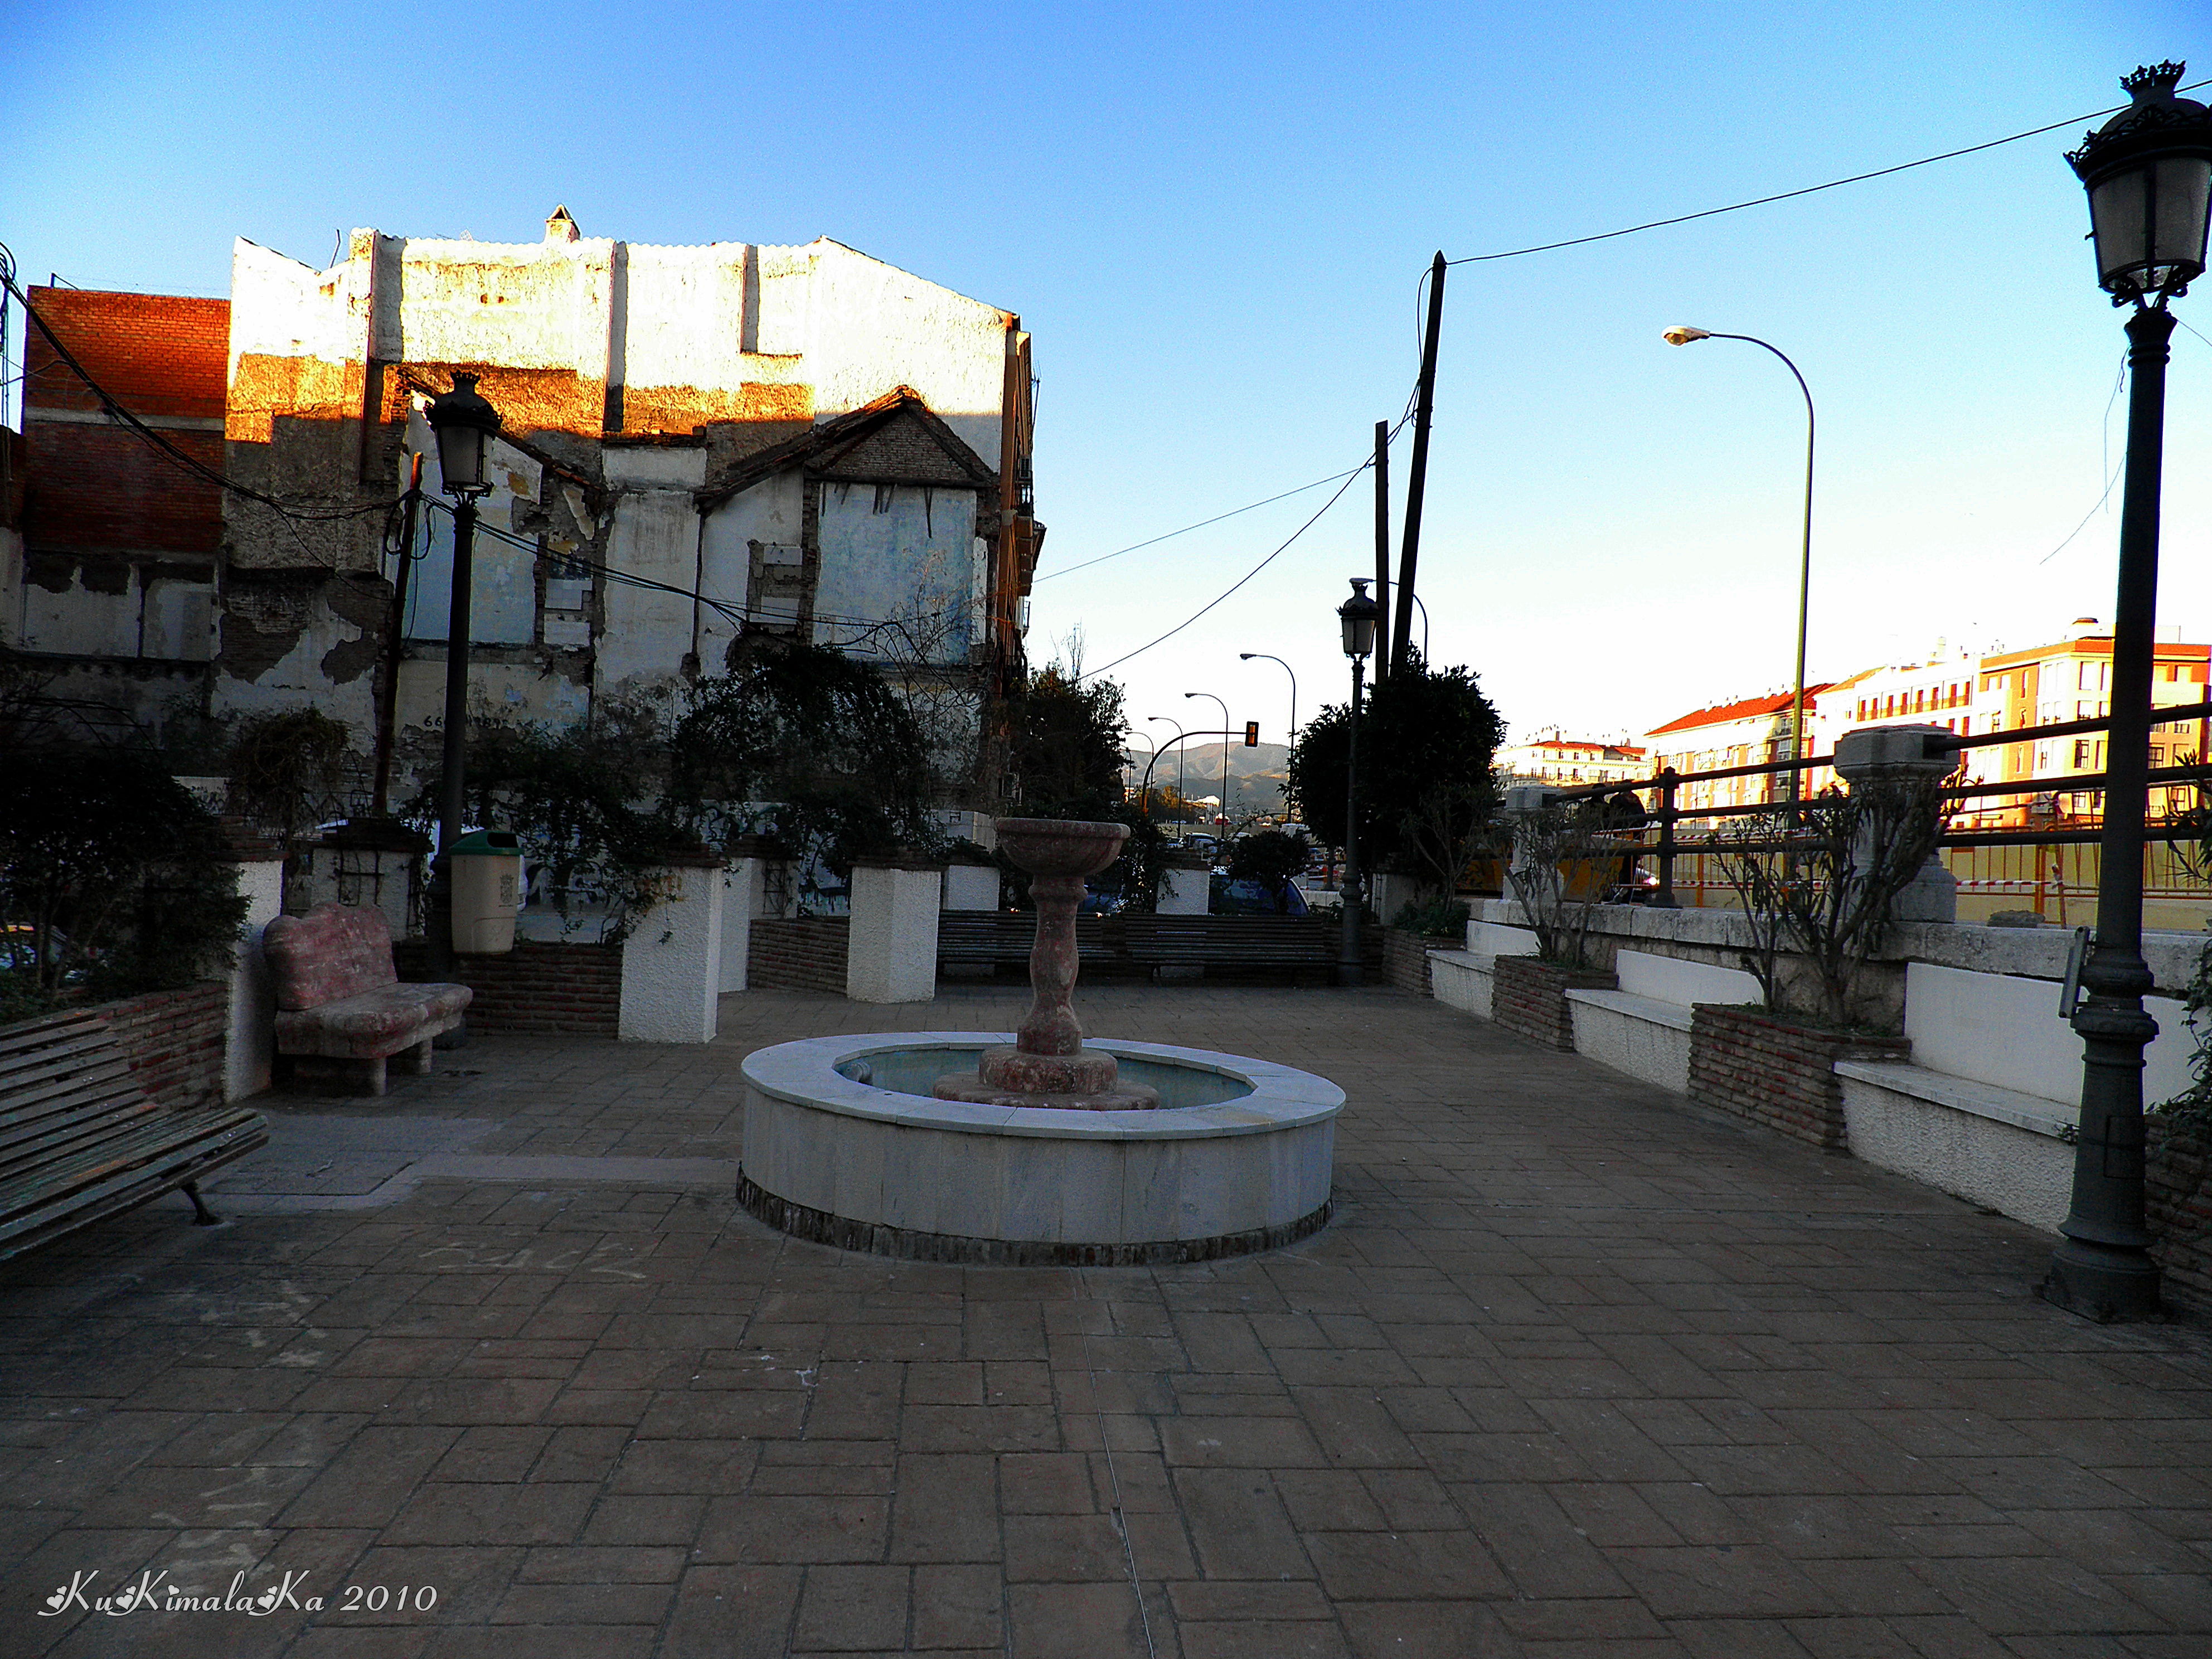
338, 997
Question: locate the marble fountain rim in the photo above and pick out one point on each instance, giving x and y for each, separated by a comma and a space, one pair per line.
804, 1073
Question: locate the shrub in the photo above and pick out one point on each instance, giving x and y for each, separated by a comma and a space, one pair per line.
114, 879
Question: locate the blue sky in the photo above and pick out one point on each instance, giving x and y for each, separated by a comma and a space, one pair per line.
1213, 219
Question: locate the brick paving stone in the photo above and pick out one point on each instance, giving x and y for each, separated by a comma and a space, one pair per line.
1576, 1371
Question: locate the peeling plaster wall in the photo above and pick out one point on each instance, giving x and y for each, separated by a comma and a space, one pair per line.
656, 535
771, 512
914, 560
873, 327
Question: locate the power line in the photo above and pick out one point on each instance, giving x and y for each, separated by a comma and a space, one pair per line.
1807, 190
1200, 525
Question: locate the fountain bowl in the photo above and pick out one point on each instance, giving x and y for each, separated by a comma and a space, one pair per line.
845, 1145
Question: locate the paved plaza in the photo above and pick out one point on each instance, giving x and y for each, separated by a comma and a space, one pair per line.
1576, 1371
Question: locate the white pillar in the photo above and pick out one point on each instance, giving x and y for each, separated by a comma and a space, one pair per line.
1186, 888
971, 887
253, 1040
671, 963
890, 953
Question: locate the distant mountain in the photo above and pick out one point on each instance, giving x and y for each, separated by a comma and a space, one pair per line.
1256, 776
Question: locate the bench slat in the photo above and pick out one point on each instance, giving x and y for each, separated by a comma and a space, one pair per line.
27, 1066
91, 1189
115, 1076
59, 1136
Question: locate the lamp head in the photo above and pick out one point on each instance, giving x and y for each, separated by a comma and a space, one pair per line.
2148, 173
1358, 615
465, 424
1682, 334
1246, 656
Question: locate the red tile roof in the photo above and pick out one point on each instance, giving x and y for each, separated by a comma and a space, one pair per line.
1772, 704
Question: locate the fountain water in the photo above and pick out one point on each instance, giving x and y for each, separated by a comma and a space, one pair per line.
961, 1146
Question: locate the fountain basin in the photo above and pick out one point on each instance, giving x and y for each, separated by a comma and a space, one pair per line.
1237, 1156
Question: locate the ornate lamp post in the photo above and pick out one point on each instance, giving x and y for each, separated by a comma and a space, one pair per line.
2148, 173
1357, 613
465, 424
1683, 335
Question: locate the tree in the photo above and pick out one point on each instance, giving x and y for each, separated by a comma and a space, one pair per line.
807, 745
113, 876
1270, 857
1068, 733
1425, 740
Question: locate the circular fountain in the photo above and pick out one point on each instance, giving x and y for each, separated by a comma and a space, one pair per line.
965, 1146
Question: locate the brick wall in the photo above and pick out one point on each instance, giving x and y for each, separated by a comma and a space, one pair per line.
93, 486
1405, 959
1749, 1064
2178, 1205
176, 1041
797, 953
1529, 998
572, 990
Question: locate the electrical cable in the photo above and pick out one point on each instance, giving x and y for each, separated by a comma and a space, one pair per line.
121, 416
1200, 525
1807, 190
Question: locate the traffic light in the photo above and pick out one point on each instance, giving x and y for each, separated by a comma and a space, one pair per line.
1251, 734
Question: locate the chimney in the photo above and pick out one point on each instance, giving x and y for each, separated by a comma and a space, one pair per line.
560, 227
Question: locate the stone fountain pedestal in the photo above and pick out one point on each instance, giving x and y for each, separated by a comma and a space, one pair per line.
1047, 1066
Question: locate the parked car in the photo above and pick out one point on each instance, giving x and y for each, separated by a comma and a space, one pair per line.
1252, 898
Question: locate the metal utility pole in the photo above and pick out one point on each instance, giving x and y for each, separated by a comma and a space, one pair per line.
1382, 545
1424, 401
387, 714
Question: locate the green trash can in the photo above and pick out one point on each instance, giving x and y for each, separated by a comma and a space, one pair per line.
486, 876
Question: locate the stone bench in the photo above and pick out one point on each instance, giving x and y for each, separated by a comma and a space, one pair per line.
339, 998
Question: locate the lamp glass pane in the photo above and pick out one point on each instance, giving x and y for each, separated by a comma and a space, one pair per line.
2119, 219
461, 456
2185, 202
1358, 635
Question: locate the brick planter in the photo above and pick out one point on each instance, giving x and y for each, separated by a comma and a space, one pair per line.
799, 953
2178, 1205
1764, 1067
176, 1041
1530, 999
1405, 958
572, 990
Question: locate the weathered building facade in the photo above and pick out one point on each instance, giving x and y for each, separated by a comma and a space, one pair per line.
698, 444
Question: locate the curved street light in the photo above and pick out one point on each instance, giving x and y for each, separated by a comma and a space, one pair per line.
1261, 656
1225, 750
1681, 334
1180, 797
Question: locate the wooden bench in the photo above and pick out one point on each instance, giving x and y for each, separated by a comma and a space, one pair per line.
339, 996
1293, 945
1003, 937
80, 1141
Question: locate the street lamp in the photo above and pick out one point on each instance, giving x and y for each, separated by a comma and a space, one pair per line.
1357, 613
1182, 797
1224, 748
2148, 174
1249, 656
465, 425
1683, 335
1153, 754
1424, 610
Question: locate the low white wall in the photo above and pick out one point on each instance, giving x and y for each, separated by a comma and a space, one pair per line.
1997, 1148
971, 887
671, 963
1643, 1037
1185, 892
2002, 1029
1464, 981
252, 1045
1685, 984
892, 950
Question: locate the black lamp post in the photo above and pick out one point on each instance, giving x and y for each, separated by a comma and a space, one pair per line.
1357, 615
465, 425
2148, 173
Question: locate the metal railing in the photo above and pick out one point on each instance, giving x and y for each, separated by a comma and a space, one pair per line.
2052, 864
